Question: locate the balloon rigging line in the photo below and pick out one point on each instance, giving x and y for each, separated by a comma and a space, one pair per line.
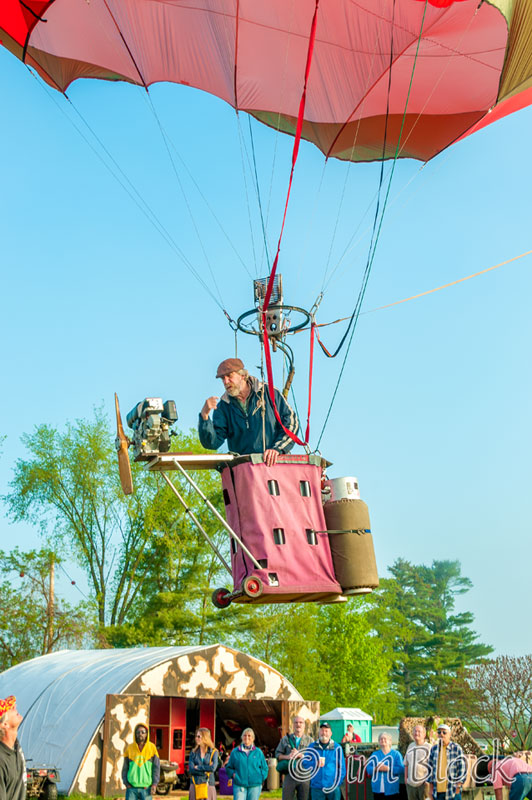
204, 198
126, 183
353, 147
354, 319
278, 125
185, 198
257, 188
349, 248
452, 53
310, 226
248, 205
375, 233
269, 289
353, 243
167, 141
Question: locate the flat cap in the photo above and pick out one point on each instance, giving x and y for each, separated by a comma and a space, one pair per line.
229, 365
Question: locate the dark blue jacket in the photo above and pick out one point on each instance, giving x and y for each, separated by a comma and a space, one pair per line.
244, 431
332, 773
247, 768
203, 769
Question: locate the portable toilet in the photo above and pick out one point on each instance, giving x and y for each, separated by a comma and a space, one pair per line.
340, 718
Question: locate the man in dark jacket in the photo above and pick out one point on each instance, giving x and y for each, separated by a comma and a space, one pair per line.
12, 763
245, 416
291, 749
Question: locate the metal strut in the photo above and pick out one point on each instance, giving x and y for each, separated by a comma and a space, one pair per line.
196, 521
217, 514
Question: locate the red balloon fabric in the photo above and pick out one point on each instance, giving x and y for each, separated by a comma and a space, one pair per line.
452, 61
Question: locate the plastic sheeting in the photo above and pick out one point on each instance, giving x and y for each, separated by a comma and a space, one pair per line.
67, 689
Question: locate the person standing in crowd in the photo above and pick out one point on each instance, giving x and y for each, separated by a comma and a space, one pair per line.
416, 765
447, 767
247, 768
202, 764
12, 763
289, 748
385, 766
514, 773
350, 736
327, 763
141, 769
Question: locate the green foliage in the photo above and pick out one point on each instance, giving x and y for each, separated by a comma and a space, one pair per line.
150, 572
151, 575
329, 652
413, 614
31, 624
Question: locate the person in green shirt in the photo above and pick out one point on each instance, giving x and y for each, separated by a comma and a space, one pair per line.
142, 768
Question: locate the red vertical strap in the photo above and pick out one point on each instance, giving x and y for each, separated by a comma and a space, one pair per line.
295, 151
310, 368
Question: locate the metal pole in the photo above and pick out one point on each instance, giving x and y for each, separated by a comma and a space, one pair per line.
217, 514
196, 522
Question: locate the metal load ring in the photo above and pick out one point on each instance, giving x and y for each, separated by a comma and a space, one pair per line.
292, 329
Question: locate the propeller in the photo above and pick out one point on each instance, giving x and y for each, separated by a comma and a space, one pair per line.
122, 443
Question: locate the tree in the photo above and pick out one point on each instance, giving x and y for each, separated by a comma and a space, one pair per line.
495, 698
413, 613
328, 651
34, 621
149, 571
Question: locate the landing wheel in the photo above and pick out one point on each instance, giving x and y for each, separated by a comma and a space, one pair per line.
221, 598
252, 586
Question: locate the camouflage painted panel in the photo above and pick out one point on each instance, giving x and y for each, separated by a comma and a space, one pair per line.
88, 778
458, 733
217, 672
124, 714
309, 710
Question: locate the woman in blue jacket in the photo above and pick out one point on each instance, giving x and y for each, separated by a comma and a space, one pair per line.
203, 763
385, 767
247, 767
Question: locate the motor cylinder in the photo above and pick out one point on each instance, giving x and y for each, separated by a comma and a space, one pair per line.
350, 538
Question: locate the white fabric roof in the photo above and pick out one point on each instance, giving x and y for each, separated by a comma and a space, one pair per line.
66, 689
349, 714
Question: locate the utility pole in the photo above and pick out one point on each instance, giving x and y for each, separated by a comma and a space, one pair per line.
50, 607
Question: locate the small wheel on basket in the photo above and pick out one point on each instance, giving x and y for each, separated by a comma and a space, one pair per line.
252, 586
221, 598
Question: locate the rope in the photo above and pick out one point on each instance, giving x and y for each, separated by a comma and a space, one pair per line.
428, 291
180, 184
257, 188
248, 206
295, 151
373, 245
376, 227
191, 177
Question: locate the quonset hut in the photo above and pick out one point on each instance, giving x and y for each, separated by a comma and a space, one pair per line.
80, 706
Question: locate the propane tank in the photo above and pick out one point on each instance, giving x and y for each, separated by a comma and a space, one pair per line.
350, 536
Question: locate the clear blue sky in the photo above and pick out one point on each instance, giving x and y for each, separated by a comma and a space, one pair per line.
433, 413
